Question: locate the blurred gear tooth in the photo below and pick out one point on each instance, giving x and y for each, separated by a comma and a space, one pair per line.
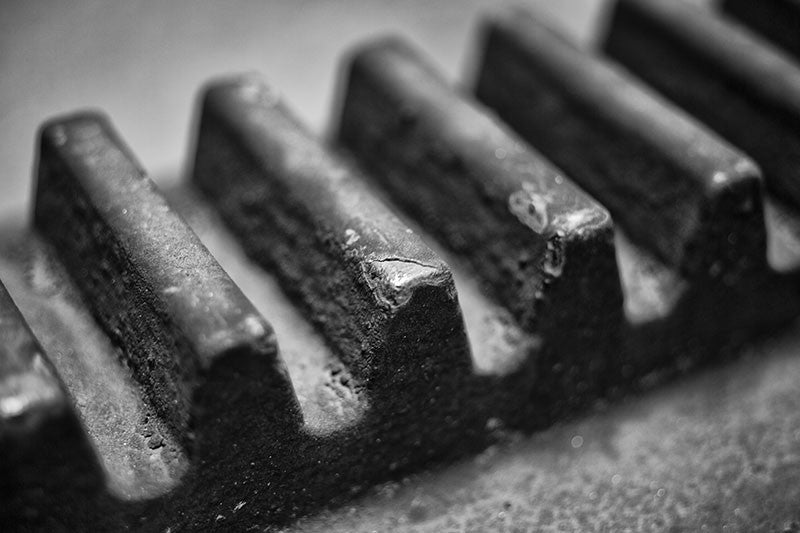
745, 89
48, 468
777, 20
673, 186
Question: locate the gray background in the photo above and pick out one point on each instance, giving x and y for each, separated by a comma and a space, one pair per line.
143, 61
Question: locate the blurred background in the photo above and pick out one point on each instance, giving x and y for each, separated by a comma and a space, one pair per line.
143, 62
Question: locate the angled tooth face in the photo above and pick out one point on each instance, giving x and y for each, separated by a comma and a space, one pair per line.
46, 462
735, 82
383, 299
777, 20
543, 247
675, 188
188, 333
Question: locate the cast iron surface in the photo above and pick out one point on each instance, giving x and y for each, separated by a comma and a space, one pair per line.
544, 248
717, 450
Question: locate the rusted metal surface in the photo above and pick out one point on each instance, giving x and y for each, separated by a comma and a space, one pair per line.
674, 187
398, 351
541, 245
160, 296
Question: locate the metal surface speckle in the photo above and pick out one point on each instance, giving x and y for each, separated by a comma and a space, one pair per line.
716, 452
